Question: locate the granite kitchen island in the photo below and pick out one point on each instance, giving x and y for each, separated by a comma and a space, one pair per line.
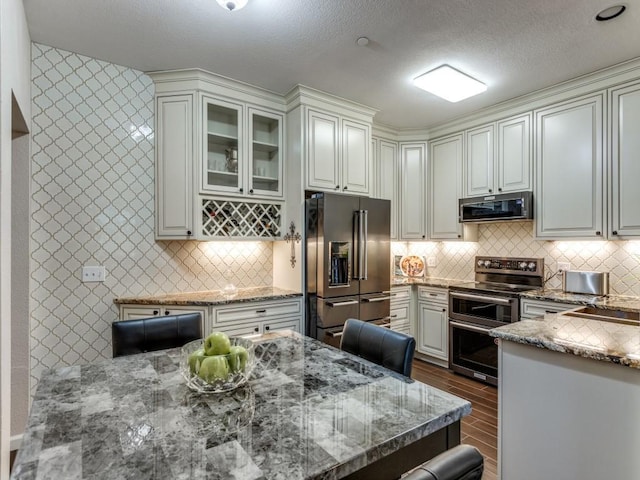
568, 397
310, 411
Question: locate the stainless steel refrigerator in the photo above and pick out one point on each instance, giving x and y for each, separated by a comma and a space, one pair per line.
348, 269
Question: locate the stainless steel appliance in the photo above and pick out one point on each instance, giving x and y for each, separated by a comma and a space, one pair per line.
491, 301
592, 283
496, 208
348, 267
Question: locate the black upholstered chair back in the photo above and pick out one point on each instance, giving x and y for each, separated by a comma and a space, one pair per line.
155, 333
392, 350
463, 462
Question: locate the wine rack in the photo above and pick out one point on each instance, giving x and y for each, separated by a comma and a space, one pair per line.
228, 219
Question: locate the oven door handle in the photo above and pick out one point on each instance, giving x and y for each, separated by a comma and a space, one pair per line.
466, 326
481, 298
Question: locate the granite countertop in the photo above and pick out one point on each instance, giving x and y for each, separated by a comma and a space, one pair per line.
610, 302
425, 281
596, 339
309, 411
211, 297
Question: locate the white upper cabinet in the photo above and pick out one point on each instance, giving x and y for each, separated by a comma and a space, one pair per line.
174, 166
498, 159
479, 161
356, 162
224, 154
387, 171
413, 191
625, 163
338, 154
266, 141
328, 142
445, 188
569, 170
323, 152
242, 150
514, 154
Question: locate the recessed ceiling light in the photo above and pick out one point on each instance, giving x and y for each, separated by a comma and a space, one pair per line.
449, 83
362, 41
232, 5
610, 13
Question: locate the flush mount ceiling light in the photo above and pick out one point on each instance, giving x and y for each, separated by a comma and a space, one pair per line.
232, 5
449, 83
610, 13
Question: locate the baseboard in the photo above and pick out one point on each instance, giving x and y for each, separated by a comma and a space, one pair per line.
15, 442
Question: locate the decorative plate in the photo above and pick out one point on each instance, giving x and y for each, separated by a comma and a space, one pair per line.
412, 266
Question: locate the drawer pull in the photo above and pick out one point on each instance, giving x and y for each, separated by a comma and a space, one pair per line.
433, 294
385, 325
334, 334
394, 316
342, 304
376, 299
261, 311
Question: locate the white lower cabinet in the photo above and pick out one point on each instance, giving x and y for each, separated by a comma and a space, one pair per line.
433, 323
258, 317
400, 309
235, 319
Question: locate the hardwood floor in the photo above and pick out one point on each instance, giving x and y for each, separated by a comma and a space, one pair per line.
479, 429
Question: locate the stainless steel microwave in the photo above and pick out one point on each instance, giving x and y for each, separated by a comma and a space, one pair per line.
497, 208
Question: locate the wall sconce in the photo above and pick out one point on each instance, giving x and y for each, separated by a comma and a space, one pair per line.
295, 238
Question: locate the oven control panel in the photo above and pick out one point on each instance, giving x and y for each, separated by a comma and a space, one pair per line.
531, 266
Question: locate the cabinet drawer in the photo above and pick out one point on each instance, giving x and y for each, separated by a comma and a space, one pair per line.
538, 308
289, 324
399, 313
439, 295
256, 312
400, 295
131, 312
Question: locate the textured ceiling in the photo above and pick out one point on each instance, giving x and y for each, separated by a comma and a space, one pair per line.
514, 46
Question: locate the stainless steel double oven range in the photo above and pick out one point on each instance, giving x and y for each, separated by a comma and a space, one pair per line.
491, 301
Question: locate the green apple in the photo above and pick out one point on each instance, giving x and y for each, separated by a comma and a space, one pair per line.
214, 368
217, 344
238, 357
195, 360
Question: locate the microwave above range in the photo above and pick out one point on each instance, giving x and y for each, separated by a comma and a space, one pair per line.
497, 208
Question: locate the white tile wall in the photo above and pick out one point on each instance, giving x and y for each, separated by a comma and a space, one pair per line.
92, 200
515, 239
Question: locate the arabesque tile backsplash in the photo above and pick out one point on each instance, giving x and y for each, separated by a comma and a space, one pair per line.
515, 239
92, 203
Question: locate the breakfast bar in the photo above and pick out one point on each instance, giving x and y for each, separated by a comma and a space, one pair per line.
568, 396
309, 411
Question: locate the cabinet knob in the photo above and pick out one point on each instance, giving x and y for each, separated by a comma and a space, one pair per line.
167, 312
490, 190
424, 236
251, 191
598, 233
256, 329
444, 309
156, 312
615, 232
337, 187
459, 236
344, 188
500, 189
241, 189
189, 232
266, 328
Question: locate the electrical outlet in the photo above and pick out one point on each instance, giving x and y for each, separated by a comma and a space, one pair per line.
563, 266
93, 274
431, 261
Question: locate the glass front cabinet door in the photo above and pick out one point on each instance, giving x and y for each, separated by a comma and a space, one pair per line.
223, 147
265, 153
